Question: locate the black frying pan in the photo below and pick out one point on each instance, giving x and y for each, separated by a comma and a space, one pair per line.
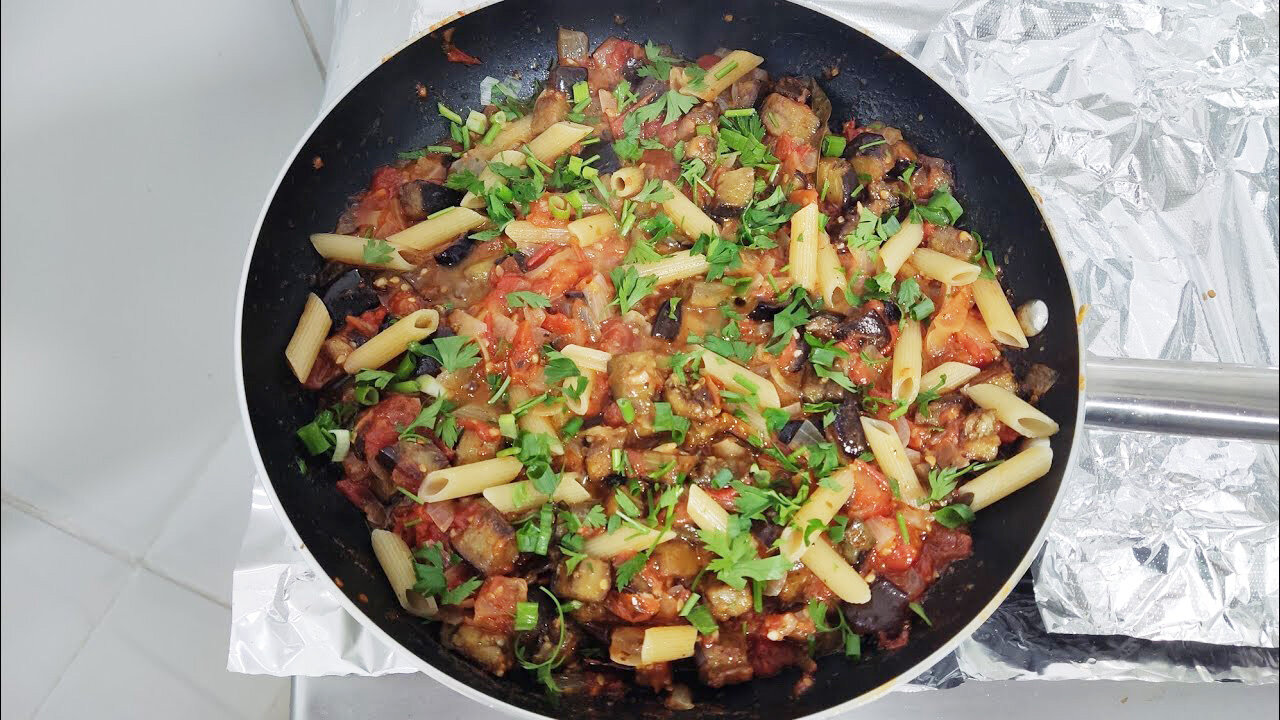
382, 115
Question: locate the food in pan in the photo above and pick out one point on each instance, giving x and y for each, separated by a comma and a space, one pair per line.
655, 377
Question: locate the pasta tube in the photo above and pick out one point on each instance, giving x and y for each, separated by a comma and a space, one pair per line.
349, 249
997, 313
803, 251
1013, 410
381, 348
822, 505
944, 268
308, 336
1009, 476
891, 456
898, 248
438, 229
470, 479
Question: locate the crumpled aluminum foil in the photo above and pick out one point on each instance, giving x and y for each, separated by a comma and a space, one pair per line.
1151, 134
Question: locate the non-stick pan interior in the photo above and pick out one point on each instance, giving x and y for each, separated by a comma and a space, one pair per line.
384, 115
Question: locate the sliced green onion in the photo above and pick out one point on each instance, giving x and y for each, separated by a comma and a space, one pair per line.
559, 207
571, 428
341, 444
628, 410
703, 130
439, 149
902, 528
477, 122
575, 199
833, 145
405, 387
314, 438
507, 425
618, 460
366, 394
581, 92
726, 70
492, 132
430, 386
448, 114
740, 112
526, 616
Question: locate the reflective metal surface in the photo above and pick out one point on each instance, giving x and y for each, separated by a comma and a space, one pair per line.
1182, 398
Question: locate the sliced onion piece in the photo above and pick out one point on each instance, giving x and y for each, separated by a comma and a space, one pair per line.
341, 444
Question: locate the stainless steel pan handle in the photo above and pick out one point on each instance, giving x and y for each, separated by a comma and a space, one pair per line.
1183, 398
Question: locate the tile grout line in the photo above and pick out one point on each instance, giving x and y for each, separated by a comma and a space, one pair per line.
311, 41
137, 563
85, 643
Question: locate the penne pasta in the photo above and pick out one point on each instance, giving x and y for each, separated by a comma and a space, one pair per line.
723, 74
831, 277
802, 255
822, 505
674, 267
835, 572
951, 374
907, 356
381, 348
438, 229
1009, 476
523, 232
308, 336
705, 512
627, 181
470, 479
891, 456
512, 135
349, 250
686, 215
396, 559
556, 140
522, 495
625, 539
592, 229
944, 268
898, 248
1012, 410
587, 358
490, 178
997, 313
665, 644
735, 377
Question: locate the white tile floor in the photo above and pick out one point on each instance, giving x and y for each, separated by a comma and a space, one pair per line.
125, 472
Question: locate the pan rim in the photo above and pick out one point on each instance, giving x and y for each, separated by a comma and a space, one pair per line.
495, 703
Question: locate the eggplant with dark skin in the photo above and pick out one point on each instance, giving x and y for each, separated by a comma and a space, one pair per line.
608, 161
868, 326
884, 612
563, 78
847, 429
349, 294
666, 324
789, 431
765, 311
457, 252
419, 198
870, 155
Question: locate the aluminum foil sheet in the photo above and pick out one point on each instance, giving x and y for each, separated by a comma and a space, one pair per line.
1150, 131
